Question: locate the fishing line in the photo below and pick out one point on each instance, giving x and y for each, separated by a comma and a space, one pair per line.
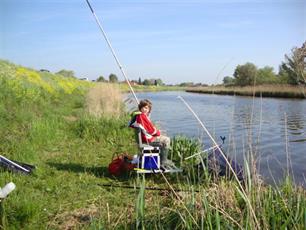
112, 50
223, 68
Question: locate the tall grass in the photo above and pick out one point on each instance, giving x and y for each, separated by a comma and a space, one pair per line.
104, 100
219, 204
140, 205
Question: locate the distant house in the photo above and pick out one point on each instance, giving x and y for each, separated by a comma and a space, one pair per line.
134, 82
84, 79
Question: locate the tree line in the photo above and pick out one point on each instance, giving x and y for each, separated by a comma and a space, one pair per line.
112, 78
291, 71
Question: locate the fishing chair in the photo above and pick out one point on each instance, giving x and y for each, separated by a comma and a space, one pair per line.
150, 160
149, 156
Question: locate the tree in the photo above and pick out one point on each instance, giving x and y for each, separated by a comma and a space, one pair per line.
266, 75
295, 66
146, 82
101, 79
228, 80
159, 81
139, 81
283, 76
186, 84
153, 81
66, 73
245, 74
113, 78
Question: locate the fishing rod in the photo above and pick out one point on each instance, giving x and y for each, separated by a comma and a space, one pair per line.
146, 188
210, 136
200, 153
112, 50
223, 155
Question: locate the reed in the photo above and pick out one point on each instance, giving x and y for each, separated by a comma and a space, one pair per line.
104, 99
217, 204
283, 91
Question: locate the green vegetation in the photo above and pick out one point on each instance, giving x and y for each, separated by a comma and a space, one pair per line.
249, 74
152, 81
113, 78
292, 71
66, 73
151, 88
249, 80
47, 125
101, 79
46, 120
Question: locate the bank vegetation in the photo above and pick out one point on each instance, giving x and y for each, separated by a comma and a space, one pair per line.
70, 132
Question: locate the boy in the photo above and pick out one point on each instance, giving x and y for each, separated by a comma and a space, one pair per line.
149, 133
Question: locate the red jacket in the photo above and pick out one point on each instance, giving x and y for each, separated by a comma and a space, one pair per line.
148, 130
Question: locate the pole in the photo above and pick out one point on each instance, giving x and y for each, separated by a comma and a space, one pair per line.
112, 50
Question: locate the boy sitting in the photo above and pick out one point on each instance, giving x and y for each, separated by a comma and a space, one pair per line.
149, 134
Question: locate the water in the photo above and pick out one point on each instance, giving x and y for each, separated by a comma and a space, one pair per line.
273, 128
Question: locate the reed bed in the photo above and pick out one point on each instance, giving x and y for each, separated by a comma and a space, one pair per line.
219, 203
282, 91
104, 99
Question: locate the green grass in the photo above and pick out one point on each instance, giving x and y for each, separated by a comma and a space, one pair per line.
151, 88
72, 150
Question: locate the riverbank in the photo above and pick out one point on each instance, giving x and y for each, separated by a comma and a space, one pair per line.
71, 143
279, 91
150, 88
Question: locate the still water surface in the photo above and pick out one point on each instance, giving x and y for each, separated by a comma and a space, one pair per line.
273, 128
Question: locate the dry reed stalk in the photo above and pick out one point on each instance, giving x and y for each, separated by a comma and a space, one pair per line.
222, 195
104, 100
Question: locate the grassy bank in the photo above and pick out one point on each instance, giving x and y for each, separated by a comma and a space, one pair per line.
46, 120
281, 91
151, 88
71, 137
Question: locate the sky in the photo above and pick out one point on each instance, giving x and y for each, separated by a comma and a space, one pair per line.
199, 41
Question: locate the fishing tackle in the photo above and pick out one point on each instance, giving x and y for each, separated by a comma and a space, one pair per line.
16, 166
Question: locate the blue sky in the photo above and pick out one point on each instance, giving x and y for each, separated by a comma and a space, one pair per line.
175, 40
